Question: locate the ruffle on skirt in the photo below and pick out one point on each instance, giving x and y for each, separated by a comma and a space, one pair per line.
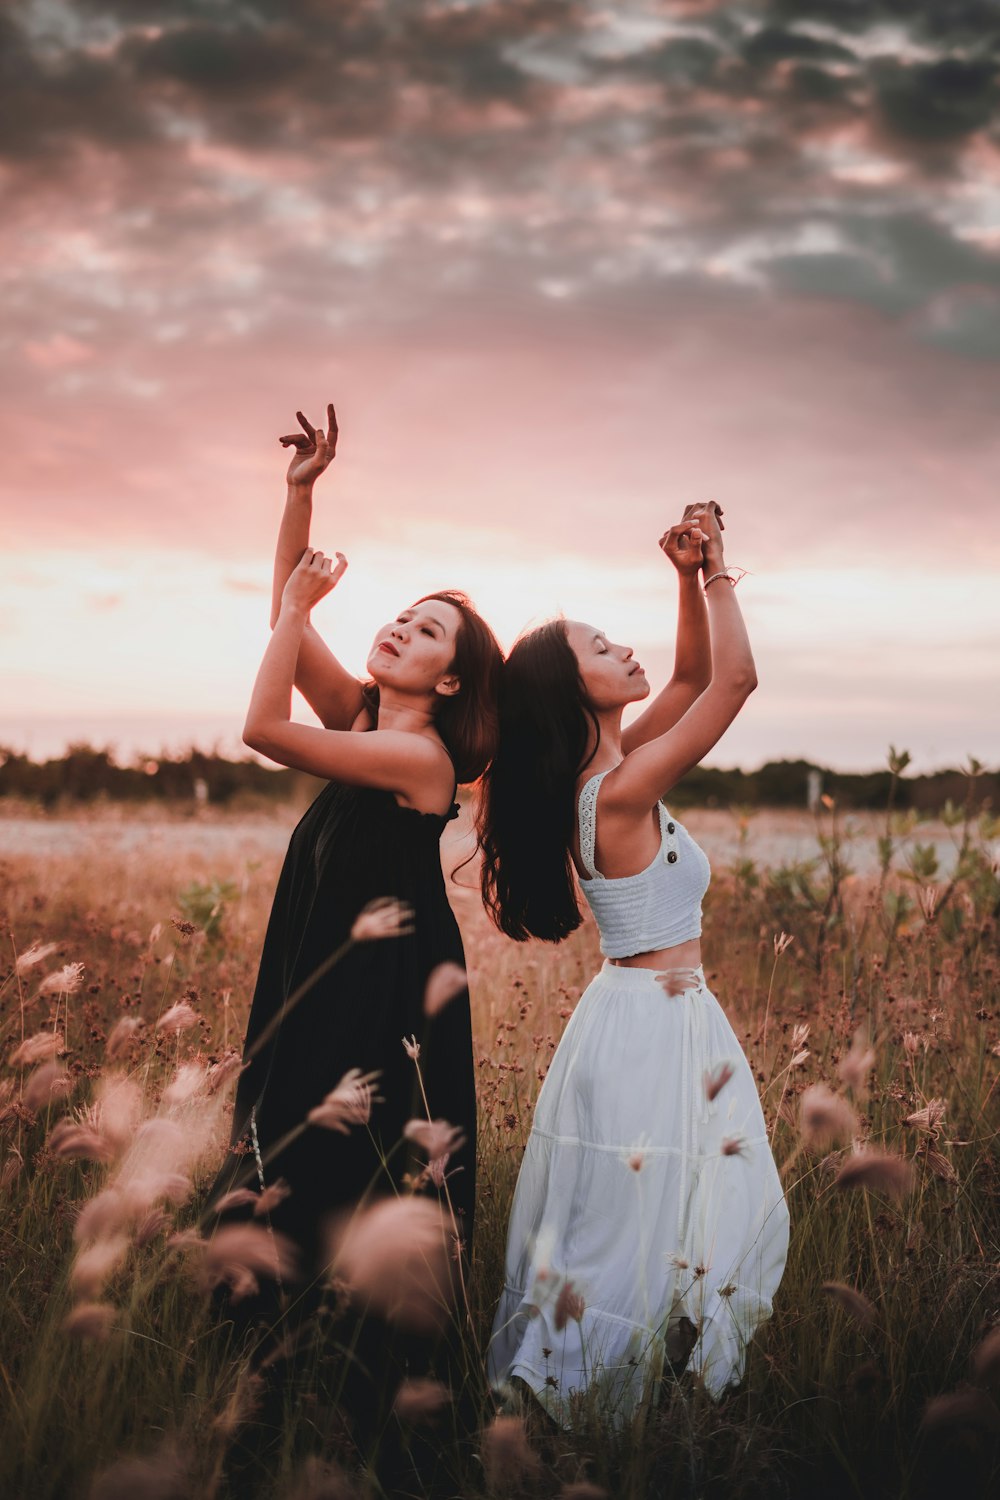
638, 1194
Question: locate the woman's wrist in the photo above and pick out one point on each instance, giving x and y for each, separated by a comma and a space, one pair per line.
293, 614
300, 489
714, 563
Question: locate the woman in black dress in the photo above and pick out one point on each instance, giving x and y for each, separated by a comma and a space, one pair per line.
393, 752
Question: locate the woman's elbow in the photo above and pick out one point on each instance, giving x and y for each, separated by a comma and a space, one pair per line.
255, 737
741, 684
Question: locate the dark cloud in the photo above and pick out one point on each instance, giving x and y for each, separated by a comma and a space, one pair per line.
238, 163
940, 101
772, 44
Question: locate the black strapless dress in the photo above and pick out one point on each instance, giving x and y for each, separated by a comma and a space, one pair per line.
353, 844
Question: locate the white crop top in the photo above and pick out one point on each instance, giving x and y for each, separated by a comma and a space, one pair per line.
659, 907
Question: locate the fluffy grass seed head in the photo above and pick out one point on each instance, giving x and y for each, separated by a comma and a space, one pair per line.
854, 1303
435, 1138
445, 982
825, 1118
349, 1104
395, 1256
64, 981
879, 1171
385, 917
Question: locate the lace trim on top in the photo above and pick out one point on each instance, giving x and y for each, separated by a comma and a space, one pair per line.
588, 822
588, 833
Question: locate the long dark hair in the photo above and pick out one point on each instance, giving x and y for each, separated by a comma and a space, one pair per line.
528, 804
467, 721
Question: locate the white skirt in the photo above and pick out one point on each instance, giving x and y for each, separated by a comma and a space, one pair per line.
643, 1198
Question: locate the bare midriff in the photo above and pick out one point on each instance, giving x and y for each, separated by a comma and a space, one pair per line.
681, 956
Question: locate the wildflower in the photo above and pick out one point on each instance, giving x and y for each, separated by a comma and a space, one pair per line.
676, 982
635, 1157
64, 981
150, 1184
45, 1084
90, 1320
13, 1163
394, 1256
878, 1171
385, 917
180, 1017
319, 1479
73, 1138
150, 1226
238, 1198
36, 954
930, 1118
434, 1137
733, 1145
164, 1476
854, 1303
824, 1117
941, 1166
969, 1408
911, 1043
117, 1107
437, 1169
445, 982
800, 1035
188, 1081
38, 1048
716, 1080
856, 1064
221, 1072
507, 1454
100, 1217
93, 1266
782, 941
270, 1197
986, 1356
350, 1103
927, 897
570, 1307
242, 1404
420, 1400
122, 1033
411, 1047
238, 1253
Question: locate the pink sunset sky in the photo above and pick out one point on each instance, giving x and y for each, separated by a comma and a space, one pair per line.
563, 267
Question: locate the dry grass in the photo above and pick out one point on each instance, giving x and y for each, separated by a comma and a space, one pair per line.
868, 1007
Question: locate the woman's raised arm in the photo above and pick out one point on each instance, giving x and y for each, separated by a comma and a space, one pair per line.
693, 649
412, 765
651, 769
332, 692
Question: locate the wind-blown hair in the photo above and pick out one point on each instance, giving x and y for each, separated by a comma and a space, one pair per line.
467, 721
527, 808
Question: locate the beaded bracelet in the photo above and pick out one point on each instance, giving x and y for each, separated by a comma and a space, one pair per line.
723, 574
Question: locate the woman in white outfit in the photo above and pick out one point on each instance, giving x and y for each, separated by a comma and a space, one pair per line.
648, 1231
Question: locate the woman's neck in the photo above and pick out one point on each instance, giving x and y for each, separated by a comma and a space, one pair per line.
407, 715
604, 749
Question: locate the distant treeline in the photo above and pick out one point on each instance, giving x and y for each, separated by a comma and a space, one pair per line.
85, 774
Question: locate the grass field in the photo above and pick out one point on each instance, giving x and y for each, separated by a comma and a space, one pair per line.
880, 987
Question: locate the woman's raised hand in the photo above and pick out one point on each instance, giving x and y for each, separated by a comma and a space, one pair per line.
314, 578
314, 449
696, 537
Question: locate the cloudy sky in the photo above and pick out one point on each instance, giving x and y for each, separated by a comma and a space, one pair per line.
563, 266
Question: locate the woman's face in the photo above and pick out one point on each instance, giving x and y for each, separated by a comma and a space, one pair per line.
414, 652
610, 675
